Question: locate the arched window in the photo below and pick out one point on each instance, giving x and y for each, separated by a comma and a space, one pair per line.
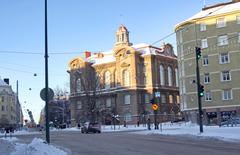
169, 76
126, 80
107, 79
176, 76
162, 79
78, 85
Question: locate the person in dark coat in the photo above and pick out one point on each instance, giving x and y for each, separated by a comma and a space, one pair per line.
7, 131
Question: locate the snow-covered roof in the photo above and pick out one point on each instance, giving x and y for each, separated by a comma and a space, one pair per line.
214, 11
143, 48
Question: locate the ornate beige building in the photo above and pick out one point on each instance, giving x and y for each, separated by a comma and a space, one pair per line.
121, 82
216, 29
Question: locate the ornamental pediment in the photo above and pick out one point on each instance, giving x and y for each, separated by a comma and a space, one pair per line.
76, 63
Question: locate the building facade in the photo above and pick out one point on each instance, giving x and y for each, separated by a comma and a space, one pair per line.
216, 30
120, 82
10, 108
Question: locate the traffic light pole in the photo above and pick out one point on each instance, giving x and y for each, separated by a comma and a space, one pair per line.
198, 94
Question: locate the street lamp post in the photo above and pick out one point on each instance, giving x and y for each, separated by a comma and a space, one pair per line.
46, 77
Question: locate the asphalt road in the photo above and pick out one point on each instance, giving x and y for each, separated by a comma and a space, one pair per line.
134, 144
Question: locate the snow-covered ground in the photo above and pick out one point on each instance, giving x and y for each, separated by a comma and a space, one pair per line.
39, 147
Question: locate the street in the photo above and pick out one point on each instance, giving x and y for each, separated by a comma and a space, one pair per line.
129, 143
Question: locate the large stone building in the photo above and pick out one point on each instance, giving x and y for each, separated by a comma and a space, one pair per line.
10, 108
121, 82
216, 30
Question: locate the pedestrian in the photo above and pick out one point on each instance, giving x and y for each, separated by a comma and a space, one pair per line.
11, 130
6, 131
149, 123
78, 125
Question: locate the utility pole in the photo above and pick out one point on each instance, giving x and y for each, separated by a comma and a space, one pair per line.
46, 77
199, 89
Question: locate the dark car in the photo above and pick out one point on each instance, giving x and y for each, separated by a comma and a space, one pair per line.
89, 127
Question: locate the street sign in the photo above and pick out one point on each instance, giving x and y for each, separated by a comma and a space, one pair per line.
154, 107
157, 94
50, 94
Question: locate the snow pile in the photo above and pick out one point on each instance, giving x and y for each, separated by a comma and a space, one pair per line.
189, 129
10, 139
37, 147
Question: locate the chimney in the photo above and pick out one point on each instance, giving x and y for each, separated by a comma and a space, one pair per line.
234, 1
6, 80
87, 54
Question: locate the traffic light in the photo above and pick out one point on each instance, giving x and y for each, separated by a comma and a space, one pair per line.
201, 91
152, 101
198, 53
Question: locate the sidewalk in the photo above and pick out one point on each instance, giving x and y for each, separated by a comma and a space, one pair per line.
6, 147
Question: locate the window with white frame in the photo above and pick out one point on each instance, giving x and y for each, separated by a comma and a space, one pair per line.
126, 79
127, 99
227, 94
205, 60
238, 19
204, 43
208, 96
162, 79
222, 40
108, 102
206, 78
107, 79
203, 26
78, 85
221, 22
79, 105
224, 58
225, 76
169, 76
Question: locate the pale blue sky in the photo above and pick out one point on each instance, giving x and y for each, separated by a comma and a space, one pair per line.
76, 26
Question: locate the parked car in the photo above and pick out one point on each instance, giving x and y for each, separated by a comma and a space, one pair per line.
231, 121
89, 127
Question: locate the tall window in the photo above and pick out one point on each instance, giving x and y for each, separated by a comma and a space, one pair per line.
162, 79
169, 76
178, 98
222, 40
221, 22
204, 43
115, 78
225, 76
203, 26
227, 94
107, 79
79, 85
163, 98
208, 96
126, 80
206, 78
127, 99
146, 98
108, 102
205, 60
79, 105
224, 58
176, 76
97, 80
238, 19
2, 107
239, 37
170, 97
128, 117
144, 75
